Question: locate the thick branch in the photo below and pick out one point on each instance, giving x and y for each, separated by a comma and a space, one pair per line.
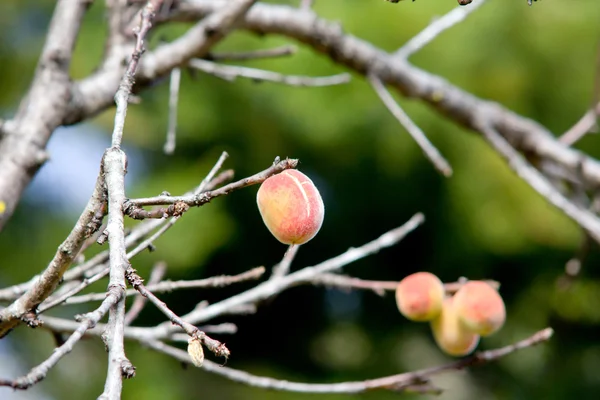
22, 148
458, 105
89, 221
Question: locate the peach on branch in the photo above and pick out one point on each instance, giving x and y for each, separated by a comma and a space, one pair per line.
480, 307
451, 336
419, 296
291, 207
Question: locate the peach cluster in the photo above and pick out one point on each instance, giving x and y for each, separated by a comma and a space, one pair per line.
457, 321
291, 207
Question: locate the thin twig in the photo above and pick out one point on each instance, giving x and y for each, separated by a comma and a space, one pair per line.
417, 134
158, 272
169, 147
582, 127
435, 28
87, 322
213, 345
253, 55
379, 287
170, 286
540, 184
283, 268
180, 204
306, 5
231, 72
399, 382
589, 121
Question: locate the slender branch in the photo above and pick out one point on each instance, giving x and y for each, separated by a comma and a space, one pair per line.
72, 291
283, 268
231, 72
540, 183
180, 204
435, 28
379, 287
589, 121
170, 286
158, 272
438, 161
582, 127
87, 322
396, 383
282, 51
173, 102
213, 345
306, 4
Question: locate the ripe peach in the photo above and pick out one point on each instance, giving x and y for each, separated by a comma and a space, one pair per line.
480, 308
449, 334
419, 296
291, 207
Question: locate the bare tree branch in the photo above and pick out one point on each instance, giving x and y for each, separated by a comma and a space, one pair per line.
87, 322
433, 154
435, 28
89, 221
94, 266
114, 164
231, 72
156, 275
252, 55
169, 147
306, 4
586, 219
589, 121
456, 104
170, 286
179, 204
22, 147
379, 287
213, 345
396, 383
283, 268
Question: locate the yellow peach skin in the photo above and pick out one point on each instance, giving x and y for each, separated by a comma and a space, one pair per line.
480, 308
291, 207
450, 335
419, 296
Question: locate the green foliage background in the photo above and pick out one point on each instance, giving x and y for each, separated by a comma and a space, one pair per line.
481, 223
